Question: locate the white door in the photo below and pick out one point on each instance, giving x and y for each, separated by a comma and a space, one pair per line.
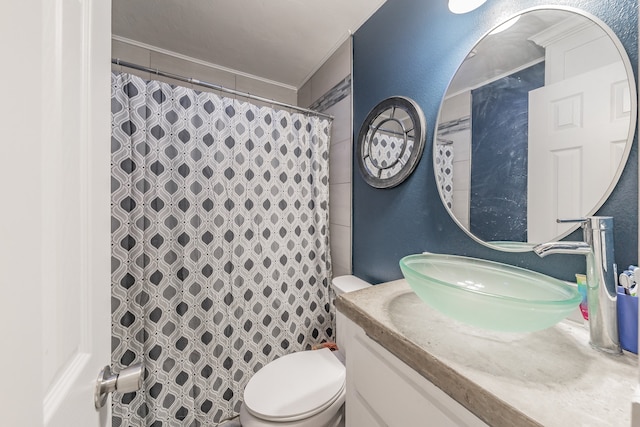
577, 137
54, 215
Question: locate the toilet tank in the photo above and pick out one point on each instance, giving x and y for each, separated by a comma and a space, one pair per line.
342, 285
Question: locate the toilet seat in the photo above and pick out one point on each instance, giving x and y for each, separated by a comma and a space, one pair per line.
333, 416
296, 386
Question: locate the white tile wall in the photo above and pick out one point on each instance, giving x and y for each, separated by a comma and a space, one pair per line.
211, 74
340, 249
340, 162
257, 87
341, 127
336, 68
131, 53
455, 108
340, 204
184, 68
304, 94
332, 72
460, 206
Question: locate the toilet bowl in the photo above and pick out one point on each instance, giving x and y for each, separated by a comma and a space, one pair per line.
303, 389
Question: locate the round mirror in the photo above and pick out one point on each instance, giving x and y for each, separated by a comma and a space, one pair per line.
390, 142
535, 126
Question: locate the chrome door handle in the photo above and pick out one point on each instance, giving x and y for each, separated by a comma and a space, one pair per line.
128, 380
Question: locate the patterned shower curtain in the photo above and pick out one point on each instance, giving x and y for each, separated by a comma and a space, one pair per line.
388, 149
220, 254
444, 171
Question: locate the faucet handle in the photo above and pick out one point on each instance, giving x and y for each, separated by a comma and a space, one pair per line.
563, 220
592, 222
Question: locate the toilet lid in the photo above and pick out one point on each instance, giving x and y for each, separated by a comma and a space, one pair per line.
295, 386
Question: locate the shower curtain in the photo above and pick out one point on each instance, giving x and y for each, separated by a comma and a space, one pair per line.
220, 250
444, 171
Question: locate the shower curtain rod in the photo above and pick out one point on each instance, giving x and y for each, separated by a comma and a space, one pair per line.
190, 80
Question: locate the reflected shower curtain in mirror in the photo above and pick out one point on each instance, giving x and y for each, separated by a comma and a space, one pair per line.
444, 170
220, 246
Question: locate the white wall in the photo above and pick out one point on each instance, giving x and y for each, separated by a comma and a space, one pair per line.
319, 88
176, 63
455, 108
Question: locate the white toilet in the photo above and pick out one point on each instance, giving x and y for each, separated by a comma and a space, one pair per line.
304, 389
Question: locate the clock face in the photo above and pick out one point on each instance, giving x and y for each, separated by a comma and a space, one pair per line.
390, 142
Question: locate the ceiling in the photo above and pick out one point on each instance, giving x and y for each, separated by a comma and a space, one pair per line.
284, 41
498, 54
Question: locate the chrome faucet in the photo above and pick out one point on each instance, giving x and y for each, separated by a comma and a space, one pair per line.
601, 278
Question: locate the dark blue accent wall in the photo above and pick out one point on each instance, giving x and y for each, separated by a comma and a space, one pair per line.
499, 155
412, 48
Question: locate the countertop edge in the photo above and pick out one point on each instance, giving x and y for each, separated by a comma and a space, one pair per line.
485, 405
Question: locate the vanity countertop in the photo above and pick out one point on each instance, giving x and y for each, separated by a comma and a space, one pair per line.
546, 378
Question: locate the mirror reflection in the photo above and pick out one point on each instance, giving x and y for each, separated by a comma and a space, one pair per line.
536, 125
390, 142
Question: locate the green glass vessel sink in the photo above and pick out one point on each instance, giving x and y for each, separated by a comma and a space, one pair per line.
488, 294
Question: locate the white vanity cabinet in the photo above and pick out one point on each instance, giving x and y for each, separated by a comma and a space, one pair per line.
550, 378
383, 391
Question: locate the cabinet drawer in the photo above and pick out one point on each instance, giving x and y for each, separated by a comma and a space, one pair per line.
396, 394
359, 414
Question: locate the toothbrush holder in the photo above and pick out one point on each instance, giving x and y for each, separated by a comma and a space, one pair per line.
628, 321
